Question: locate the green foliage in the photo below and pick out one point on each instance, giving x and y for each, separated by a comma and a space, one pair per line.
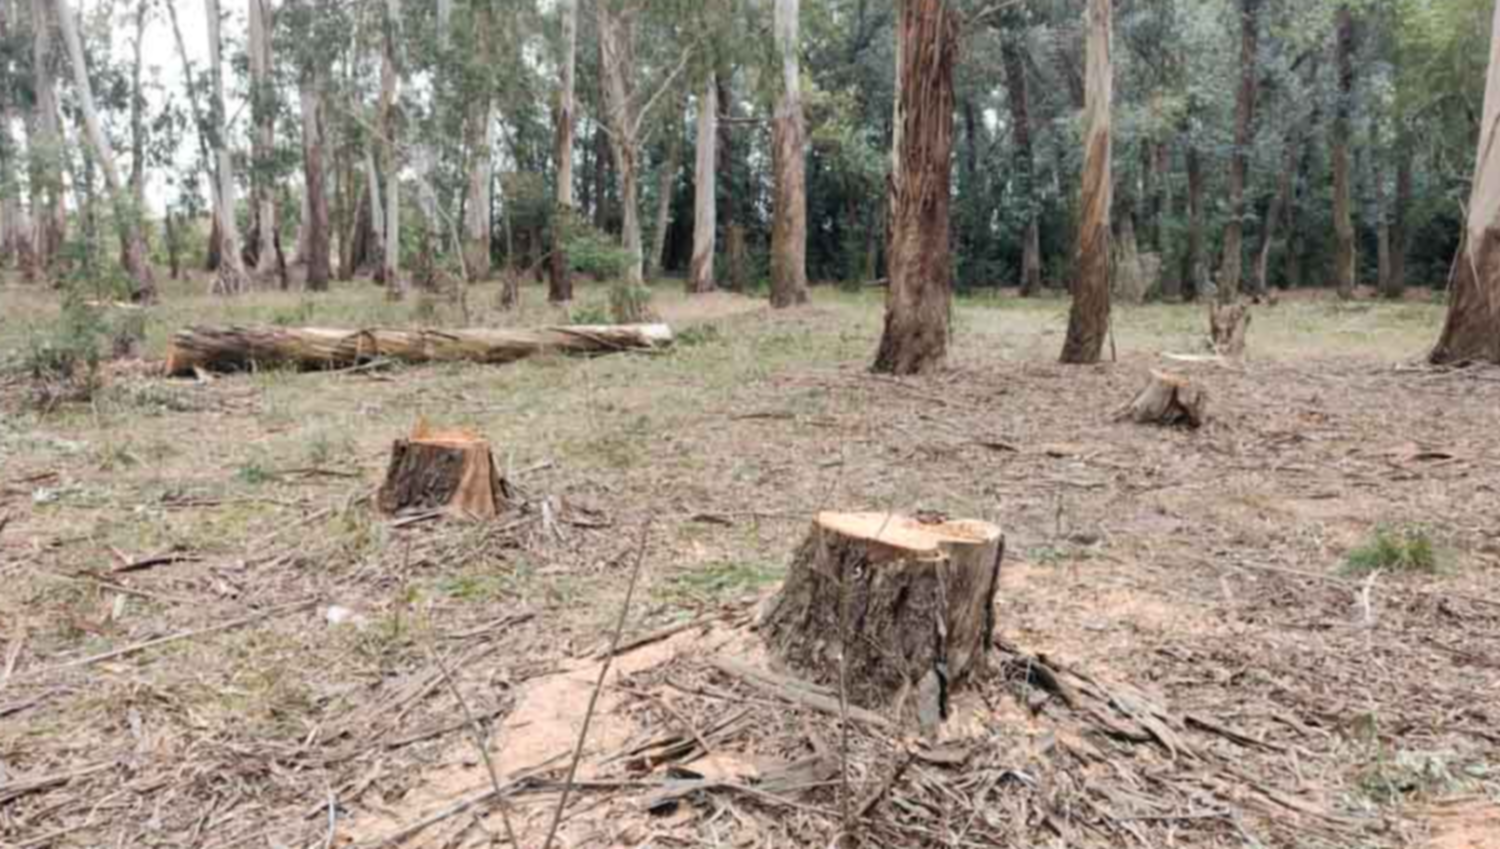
1404, 549
593, 252
630, 303
62, 360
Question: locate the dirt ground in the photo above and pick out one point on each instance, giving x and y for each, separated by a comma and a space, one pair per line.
1185, 658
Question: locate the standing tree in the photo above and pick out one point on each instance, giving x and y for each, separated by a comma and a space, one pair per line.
1244, 140
1088, 323
231, 274
126, 215
705, 226
263, 136
479, 130
921, 288
1472, 330
1343, 222
48, 214
788, 138
1013, 58
390, 96
560, 290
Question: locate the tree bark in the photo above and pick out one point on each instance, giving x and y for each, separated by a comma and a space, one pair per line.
1400, 213
1169, 400
1239, 161
666, 182
788, 141
617, 56
901, 611
1018, 95
705, 193
479, 139
1195, 278
919, 299
263, 137
449, 471
560, 286
315, 244
1472, 329
230, 278
390, 96
49, 216
137, 109
1343, 222
1088, 322
127, 217
312, 348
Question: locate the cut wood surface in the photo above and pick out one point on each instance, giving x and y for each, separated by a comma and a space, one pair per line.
1169, 399
453, 471
911, 602
313, 348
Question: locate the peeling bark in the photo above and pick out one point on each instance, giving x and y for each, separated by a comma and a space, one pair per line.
314, 244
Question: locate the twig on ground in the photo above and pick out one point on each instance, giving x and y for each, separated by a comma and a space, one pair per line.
481, 744
588, 716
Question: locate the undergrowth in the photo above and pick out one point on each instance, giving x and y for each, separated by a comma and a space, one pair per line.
1404, 549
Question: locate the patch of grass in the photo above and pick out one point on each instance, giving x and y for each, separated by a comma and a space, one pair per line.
1403, 549
253, 473
697, 334
474, 587
592, 312
723, 581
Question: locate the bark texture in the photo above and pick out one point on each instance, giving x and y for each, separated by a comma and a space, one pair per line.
390, 101
788, 141
1472, 329
1088, 322
314, 245
263, 136
1228, 325
48, 215
316, 348
479, 134
909, 606
230, 278
919, 299
705, 194
1343, 216
449, 471
617, 57
1239, 160
1170, 400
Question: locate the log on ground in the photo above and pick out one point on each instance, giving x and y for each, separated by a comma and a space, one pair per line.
909, 605
1168, 399
313, 348
443, 471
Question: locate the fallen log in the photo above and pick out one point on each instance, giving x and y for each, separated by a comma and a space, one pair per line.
315, 348
897, 610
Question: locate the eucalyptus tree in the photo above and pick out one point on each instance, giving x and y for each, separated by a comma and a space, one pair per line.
1088, 321
49, 216
560, 289
231, 278
789, 140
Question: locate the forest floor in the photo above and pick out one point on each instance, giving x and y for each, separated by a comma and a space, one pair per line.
1188, 655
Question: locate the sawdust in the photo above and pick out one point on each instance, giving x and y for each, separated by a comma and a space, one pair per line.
1465, 824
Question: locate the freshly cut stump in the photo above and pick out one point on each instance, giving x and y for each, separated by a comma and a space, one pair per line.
911, 603
450, 471
1169, 399
1228, 324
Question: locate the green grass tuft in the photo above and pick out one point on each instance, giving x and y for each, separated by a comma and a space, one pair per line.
1404, 549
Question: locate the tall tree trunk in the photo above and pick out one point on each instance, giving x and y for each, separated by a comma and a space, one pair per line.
231, 277
49, 216
617, 57
560, 286
315, 245
1088, 323
599, 204
1280, 203
1401, 212
127, 217
1379, 158
15, 240
263, 139
1343, 220
666, 182
1472, 329
705, 193
728, 191
1195, 277
788, 141
1239, 161
1018, 95
137, 109
920, 296
390, 96
479, 129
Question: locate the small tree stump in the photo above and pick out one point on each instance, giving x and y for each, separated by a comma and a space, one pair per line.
1228, 324
452, 471
913, 603
1169, 399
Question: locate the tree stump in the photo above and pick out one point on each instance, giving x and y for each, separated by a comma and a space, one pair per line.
1169, 399
1228, 324
448, 471
910, 604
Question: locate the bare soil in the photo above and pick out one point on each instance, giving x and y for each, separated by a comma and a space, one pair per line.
1185, 658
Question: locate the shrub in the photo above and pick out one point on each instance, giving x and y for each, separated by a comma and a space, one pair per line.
630, 303
1406, 549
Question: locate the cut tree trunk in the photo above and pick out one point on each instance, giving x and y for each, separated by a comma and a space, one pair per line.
314, 348
452, 472
1227, 327
1169, 399
908, 605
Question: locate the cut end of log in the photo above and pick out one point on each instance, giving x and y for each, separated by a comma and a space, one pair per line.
900, 610
447, 471
1168, 399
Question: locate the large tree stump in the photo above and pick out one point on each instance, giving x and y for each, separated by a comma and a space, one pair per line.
450, 471
910, 604
1228, 324
1169, 399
